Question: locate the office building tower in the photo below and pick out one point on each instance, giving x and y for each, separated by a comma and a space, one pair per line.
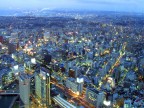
80, 82
24, 88
76, 85
94, 97
100, 99
42, 87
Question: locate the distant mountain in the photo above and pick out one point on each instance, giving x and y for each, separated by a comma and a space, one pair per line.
47, 12
19, 12
10, 12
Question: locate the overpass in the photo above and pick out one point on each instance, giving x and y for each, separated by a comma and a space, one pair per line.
9, 92
62, 103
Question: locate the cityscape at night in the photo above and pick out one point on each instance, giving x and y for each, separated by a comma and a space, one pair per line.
72, 54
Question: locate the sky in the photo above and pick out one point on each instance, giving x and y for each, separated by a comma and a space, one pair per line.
110, 5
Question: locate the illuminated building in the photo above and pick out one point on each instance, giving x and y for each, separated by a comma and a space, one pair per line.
33, 60
110, 83
42, 87
75, 85
94, 97
29, 63
16, 69
3, 78
46, 35
24, 89
80, 82
21, 68
107, 103
73, 69
127, 103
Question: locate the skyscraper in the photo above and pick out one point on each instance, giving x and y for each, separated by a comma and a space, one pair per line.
24, 88
42, 86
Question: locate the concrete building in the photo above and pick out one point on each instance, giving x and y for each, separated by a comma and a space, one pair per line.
42, 87
46, 35
94, 97
75, 85
3, 78
127, 103
24, 88
12, 48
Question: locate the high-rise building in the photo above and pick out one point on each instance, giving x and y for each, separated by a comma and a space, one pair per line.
42, 87
80, 82
76, 85
24, 88
94, 97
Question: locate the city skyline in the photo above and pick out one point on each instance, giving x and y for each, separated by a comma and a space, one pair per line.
102, 5
71, 54
71, 59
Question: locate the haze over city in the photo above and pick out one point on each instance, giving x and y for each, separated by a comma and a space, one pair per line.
104, 5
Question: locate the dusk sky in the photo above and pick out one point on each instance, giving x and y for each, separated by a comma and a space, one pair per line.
110, 5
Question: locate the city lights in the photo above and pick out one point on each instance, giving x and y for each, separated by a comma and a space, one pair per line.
80, 80
70, 58
33, 60
16, 67
107, 103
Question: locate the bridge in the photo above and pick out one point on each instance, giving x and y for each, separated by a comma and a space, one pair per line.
9, 92
62, 103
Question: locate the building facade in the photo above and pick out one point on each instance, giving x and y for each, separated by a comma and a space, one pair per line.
94, 97
42, 87
75, 85
24, 88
